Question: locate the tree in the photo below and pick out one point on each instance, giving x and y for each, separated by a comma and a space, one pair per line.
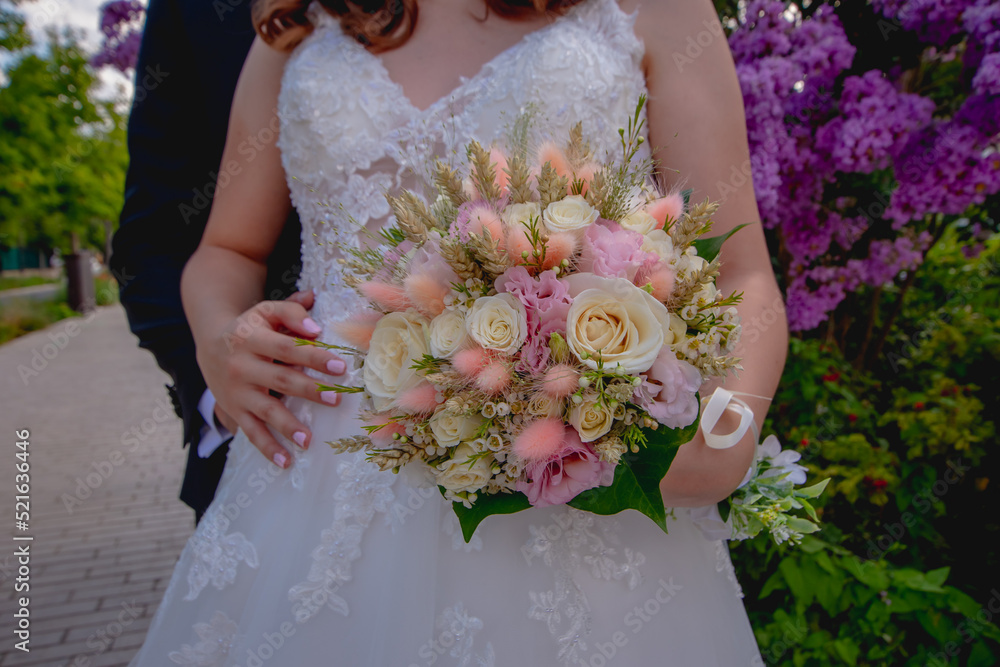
62, 152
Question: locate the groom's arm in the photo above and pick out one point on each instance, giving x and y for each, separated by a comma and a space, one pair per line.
184, 84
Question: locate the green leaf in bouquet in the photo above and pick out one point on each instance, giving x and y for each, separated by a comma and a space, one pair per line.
724, 507
709, 248
803, 526
638, 476
486, 505
813, 491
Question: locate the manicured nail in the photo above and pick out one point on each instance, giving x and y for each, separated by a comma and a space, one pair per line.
300, 438
280, 459
331, 397
336, 366
310, 325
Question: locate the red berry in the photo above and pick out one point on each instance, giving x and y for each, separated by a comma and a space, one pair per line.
852, 418
919, 405
804, 442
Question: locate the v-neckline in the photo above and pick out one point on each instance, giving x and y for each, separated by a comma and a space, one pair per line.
465, 81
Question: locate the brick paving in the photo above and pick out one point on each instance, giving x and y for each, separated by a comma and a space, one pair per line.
106, 466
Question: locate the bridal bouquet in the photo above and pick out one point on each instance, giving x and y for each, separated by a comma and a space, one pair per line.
538, 333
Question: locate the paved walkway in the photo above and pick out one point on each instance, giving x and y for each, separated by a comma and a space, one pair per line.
106, 465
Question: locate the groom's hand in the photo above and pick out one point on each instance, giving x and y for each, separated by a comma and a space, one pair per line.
240, 369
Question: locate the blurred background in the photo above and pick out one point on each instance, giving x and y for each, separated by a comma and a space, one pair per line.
875, 138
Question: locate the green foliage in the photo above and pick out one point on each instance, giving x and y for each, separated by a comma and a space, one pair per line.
905, 572
62, 152
21, 317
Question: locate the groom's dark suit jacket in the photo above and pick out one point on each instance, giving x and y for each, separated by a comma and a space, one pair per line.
191, 55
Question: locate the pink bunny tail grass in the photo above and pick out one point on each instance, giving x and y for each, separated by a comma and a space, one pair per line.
666, 209
500, 160
358, 332
383, 437
391, 298
541, 440
426, 294
484, 219
494, 378
422, 399
470, 361
586, 174
549, 152
518, 244
560, 246
662, 281
560, 381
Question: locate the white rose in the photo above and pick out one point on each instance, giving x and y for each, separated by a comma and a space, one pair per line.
660, 243
520, 215
613, 320
675, 331
591, 420
450, 429
498, 323
640, 221
543, 405
457, 475
448, 334
689, 262
399, 340
571, 213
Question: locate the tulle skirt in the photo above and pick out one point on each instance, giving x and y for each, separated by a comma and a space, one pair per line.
333, 562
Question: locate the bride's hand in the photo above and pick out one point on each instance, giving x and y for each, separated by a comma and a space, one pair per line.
239, 367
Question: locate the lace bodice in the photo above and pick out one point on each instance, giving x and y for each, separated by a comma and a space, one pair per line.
349, 134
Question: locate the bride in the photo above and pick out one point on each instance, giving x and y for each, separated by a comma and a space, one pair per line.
308, 557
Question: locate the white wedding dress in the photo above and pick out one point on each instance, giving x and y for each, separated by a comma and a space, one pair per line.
333, 562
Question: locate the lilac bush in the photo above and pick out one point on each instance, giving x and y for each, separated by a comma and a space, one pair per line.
121, 25
859, 168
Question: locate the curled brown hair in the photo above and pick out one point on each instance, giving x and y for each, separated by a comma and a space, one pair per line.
378, 24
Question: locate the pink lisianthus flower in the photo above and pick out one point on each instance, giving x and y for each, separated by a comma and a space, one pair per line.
546, 302
610, 251
575, 468
668, 391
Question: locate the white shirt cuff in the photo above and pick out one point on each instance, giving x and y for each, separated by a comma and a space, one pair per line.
213, 434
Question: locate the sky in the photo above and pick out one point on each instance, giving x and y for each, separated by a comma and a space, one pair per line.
81, 15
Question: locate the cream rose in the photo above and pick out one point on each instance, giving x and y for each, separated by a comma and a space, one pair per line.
498, 323
450, 429
613, 320
543, 405
520, 215
591, 420
399, 340
457, 475
639, 221
675, 331
661, 244
570, 214
448, 334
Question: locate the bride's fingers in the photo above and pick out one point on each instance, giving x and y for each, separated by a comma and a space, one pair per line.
273, 345
261, 437
292, 315
289, 382
273, 413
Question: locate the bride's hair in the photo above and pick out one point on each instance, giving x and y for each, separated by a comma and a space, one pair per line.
378, 24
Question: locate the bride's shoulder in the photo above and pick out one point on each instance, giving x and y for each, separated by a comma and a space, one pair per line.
259, 84
666, 21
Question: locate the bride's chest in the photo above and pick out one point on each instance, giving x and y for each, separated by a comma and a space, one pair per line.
341, 111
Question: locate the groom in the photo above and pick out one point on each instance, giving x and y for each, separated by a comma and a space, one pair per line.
176, 133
